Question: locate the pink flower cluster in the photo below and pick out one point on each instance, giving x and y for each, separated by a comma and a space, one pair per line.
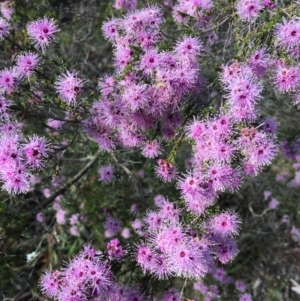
19, 157
88, 277
196, 10
63, 216
148, 86
171, 250
85, 276
10, 78
218, 146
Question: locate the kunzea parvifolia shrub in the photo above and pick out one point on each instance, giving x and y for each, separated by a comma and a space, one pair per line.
139, 141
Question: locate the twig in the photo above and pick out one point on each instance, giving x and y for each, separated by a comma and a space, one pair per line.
183, 287
76, 178
128, 172
216, 26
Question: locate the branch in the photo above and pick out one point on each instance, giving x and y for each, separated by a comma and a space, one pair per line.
137, 182
76, 178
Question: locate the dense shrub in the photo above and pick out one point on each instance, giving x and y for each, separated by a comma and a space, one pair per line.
149, 151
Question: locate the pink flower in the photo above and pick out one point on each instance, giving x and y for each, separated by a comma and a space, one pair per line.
240, 286
74, 231
295, 232
153, 220
36, 150
149, 61
270, 126
125, 4
106, 85
245, 297
4, 29
115, 250
40, 217
54, 124
112, 226
61, 216
151, 149
26, 63
122, 57
47, 192
110, 29
69, 86
8, 80
188, 48
226, 249
248, 10
74, 219
165, 170
225, 224
273, 204
42, 32
15, 180
6, 9
288, 34
49, 284
135, 97
285, 219
106, 174
145, 257
269, 4
196, 129
259, 62
267, 194
287, 79
159, 200
126, 233
137, 225
187, 261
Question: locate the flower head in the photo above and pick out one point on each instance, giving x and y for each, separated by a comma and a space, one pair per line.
288, 33
69, 86
36, 150
49, 284
225, 224
41, 32
166, 171
26, 63
6, 9
248, 10
151, 149
188, 48
8, 80
112, 226
106, 174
